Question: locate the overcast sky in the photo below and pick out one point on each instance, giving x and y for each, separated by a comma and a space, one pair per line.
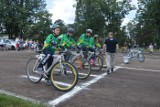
63, 9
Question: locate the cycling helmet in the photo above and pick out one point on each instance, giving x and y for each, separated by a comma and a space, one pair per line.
89, 31
71, 30
55, 26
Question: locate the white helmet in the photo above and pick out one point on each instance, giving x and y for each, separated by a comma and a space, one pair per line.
89, 31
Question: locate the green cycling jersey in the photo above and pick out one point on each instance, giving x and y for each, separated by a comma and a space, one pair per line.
86, 41
67, 41
48, 43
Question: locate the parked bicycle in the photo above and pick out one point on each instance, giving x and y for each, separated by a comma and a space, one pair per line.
63, 75
132, 54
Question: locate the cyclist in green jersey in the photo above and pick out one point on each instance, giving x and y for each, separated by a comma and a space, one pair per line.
68, 42
49, 48
86, 42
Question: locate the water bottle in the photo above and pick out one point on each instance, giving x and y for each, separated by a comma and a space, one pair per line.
45, 59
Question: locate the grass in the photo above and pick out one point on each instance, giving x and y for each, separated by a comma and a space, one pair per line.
10, 101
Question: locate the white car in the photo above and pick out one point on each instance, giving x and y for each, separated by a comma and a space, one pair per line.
10, 44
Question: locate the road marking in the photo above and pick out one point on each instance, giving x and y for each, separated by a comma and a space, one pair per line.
73, 92
141, 69
58, 82
91, 75
19, 96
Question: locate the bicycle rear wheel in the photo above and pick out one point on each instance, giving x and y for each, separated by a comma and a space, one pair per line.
83, 67
31, 70
141, 57
64, 76
96, 63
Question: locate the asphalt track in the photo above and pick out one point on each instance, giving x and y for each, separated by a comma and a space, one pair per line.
131, 85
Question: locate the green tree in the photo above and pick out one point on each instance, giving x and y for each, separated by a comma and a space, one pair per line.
21, 16
147, 22
102, 16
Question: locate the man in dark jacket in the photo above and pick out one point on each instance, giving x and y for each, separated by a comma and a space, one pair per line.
111, 46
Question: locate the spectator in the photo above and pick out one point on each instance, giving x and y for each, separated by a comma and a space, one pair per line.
17, 43
151, 49
129, 46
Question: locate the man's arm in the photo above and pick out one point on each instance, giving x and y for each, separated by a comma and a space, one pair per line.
117, 48
91, 42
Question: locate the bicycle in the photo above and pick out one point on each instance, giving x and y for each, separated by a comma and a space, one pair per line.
83, 66
95, 60
103, 56
132, 53
63, 75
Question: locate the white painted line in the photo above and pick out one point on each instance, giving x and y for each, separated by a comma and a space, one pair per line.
84, 74
73, 92
141, 69
19, 96
115, 68
89, 75
58, 82
61, 83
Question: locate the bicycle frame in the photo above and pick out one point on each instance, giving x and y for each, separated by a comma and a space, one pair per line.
90, 54
59, 58
80, 54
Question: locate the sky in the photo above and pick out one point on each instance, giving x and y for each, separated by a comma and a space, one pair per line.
63, 9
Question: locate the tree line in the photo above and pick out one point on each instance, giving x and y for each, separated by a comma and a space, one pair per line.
145, 28
30, 19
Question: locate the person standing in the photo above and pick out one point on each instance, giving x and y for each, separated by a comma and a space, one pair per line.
151, 49
110, 46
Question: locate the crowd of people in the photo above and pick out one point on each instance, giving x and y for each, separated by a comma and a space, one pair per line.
27, 44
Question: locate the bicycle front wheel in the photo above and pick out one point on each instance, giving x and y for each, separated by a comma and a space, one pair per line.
31, 70
141, 57
83, 67
64, 76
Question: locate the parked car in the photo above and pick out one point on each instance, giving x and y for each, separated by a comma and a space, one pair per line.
10, 44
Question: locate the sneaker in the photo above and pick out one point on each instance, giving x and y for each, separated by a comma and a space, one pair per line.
112, 69
48, 82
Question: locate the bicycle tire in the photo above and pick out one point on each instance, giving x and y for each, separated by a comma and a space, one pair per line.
141, 57
31, 72
83, 67
57, 77
103, 56
98, 63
